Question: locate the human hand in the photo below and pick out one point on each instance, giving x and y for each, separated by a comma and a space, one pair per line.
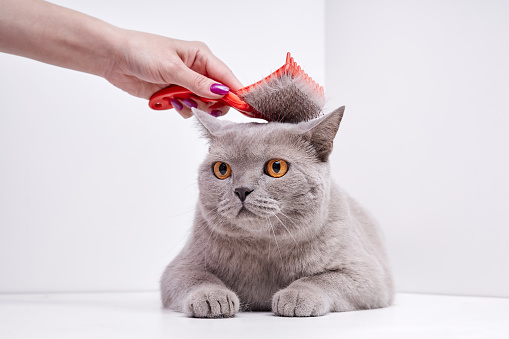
138, 63
144, 63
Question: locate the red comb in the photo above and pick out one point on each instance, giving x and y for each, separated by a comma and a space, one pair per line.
290, 68
162, 99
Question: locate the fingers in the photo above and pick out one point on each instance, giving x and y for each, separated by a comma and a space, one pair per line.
218, 109
202, 72
199, 84
179, 107
217, 70
218, 81
183, 107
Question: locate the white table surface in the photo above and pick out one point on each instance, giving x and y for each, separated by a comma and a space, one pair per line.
139, 315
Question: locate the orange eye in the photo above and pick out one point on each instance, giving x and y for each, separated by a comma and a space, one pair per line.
276, 168
222, 170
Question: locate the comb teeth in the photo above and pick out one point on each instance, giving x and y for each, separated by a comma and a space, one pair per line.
287, 95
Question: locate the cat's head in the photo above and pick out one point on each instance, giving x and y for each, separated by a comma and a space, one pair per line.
266, 179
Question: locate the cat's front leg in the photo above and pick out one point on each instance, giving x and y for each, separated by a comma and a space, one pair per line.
300, 300
211, 301
336, 291
197, 293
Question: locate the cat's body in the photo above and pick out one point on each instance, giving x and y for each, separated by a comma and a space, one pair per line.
295, 244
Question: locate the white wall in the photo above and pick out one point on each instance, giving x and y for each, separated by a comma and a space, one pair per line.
91, 192
424, 142
97, 191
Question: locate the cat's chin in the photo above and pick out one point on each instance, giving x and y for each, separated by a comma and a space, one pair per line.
245, 214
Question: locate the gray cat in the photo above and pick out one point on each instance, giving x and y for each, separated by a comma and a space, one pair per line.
271, 230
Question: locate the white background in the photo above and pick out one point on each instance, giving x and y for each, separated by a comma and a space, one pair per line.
97, 191
425, 140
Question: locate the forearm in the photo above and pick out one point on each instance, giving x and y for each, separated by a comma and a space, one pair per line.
56, 35
136, 62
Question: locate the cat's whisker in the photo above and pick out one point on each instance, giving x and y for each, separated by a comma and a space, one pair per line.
183, 213
286, 228
212, 217
274, 233
184, 236
205, 258
270, 244
181, 239
289, 219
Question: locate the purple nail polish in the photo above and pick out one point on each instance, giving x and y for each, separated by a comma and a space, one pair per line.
177, 105
216, 113
219, 89
190, 103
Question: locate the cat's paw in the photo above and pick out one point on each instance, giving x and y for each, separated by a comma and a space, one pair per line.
211, 302
300, 302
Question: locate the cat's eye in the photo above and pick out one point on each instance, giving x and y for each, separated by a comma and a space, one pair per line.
222, 170
276, 168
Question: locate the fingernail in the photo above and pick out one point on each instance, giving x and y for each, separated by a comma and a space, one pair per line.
219, 89
216, 113
190, 103
177, 105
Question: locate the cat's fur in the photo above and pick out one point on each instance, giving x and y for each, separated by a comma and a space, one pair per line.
298, 245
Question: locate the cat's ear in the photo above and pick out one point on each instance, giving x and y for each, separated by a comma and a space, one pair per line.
208, 124
321, 132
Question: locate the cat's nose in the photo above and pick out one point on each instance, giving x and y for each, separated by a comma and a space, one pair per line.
242, 192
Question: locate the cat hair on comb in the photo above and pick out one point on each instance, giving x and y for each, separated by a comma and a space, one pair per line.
287, 95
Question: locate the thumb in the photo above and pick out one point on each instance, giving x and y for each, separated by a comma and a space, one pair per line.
200, 84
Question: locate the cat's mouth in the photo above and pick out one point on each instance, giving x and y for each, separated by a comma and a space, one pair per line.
244, 212
256, 211
259, 208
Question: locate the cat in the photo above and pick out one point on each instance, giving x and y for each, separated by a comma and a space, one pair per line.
272, 231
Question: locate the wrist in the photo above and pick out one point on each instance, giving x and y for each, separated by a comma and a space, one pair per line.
114, 40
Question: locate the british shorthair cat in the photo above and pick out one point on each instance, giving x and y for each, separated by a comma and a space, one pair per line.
272, 232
